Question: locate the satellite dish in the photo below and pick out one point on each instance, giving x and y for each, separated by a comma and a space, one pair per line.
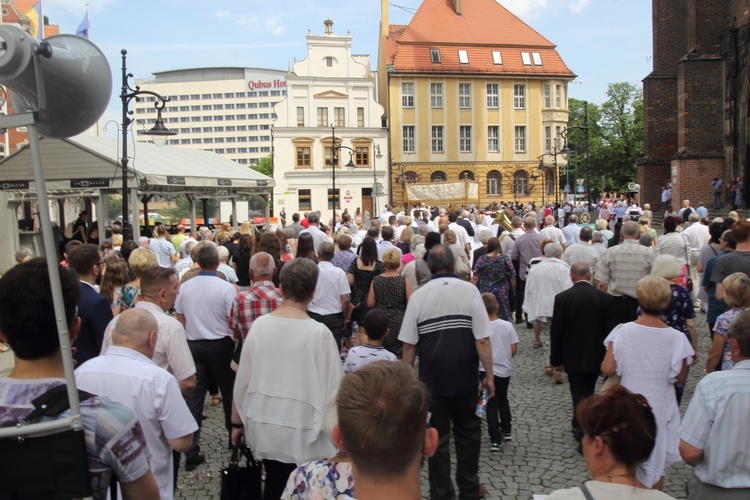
74, 74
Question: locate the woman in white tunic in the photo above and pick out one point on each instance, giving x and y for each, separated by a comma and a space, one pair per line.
650, 357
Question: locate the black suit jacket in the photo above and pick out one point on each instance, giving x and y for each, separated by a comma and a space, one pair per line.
466, 225
95, 312
581, 320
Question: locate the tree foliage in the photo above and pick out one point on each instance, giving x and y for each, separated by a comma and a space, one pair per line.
615, 136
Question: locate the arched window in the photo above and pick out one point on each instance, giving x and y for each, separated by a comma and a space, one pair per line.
494, 183
521, 183
438, 176
466, 174
411, 177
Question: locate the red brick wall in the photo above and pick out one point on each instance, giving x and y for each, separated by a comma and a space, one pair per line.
707, 21
700, 103
669, 34
652, 177
693, 179
659, 117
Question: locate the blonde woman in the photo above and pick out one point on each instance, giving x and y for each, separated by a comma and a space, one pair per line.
129, 294
390, 291
737, 296
650, 356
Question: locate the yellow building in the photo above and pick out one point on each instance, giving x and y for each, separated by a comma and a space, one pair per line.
472, 92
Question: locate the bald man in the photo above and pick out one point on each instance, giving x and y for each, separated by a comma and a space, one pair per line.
127, 374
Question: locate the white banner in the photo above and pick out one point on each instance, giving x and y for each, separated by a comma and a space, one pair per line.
447, 192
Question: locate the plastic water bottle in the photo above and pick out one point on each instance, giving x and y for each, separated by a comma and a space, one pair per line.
482, 404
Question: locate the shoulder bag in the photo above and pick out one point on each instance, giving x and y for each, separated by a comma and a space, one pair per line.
240, 482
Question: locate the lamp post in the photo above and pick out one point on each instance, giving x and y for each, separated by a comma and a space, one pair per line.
335, 148
585, 127
377, 190
543, 168
127, 94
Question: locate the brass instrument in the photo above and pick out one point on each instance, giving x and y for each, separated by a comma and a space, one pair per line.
503, 219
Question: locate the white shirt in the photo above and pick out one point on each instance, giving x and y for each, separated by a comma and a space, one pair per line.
697, 236
461, 233
673, 244
132, 379
581, 252
506, 243
163, 250
386, 245
171, 352
571, 232
385, 216
206, 301
502, 339
228, 272
365, 354
332, 284
553, 233
318, 236
543, 281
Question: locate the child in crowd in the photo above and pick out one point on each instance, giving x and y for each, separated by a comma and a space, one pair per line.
375, 326
504, 342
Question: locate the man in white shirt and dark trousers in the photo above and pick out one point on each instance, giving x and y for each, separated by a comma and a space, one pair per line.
127, 374
203, 307
318, 236
330, 304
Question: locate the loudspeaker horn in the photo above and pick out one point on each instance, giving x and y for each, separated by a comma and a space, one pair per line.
74, 73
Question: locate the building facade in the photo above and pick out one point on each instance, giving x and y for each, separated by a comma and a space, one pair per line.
330, 102
228, 111
696, 101
472, 92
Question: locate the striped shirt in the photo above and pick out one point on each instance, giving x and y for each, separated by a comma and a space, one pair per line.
716, 422
364, 355
444, 319
623, 266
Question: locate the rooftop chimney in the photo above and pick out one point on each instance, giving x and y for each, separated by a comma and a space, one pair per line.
457, 6
329, 26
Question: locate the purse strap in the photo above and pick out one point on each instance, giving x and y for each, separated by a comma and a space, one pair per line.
243, 449
586, 492
53, 402
687, 258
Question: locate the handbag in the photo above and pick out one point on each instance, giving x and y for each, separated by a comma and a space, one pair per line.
610, 382
240, 482
687, 282
235, 363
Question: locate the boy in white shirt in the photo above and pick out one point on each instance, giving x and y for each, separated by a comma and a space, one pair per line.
375, 326
504, 342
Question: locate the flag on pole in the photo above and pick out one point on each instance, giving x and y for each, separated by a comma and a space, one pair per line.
36, 20
84, 27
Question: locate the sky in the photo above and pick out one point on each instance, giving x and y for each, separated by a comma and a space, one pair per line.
602, 41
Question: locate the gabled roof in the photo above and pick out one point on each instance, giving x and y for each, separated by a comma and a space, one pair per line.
482, 27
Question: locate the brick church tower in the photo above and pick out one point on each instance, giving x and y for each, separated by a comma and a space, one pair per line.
696, 99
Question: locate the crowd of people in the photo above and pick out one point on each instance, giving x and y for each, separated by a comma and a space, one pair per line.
307, 335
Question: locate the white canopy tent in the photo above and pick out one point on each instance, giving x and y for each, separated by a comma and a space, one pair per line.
85, 167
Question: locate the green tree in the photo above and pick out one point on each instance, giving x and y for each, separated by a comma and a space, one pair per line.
622, 133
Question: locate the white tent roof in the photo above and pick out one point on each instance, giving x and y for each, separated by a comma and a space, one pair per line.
85, 162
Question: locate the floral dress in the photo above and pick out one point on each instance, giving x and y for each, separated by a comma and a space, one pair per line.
680, 309
390, 296
322, 479
127, 296
721, 328
494, 277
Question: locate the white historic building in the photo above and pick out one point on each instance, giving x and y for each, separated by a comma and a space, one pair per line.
331, 87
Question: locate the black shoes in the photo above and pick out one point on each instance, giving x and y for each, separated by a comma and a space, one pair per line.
194, 463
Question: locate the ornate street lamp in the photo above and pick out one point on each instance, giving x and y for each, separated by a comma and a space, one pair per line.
335, 148
159, 129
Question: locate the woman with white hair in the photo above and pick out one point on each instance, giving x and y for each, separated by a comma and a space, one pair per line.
543, 281
602, 226
680, 314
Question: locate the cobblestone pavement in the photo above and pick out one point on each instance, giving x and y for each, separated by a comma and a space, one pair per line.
541, 457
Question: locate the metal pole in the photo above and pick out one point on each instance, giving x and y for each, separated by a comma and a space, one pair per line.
374, 184
588, 160
124, 160
334, 157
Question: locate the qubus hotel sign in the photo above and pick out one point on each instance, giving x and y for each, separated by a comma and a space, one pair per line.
264, 80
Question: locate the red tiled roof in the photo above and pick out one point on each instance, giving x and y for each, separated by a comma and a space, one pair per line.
483, 26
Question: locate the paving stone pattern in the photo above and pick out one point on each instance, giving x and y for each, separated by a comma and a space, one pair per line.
541, 457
